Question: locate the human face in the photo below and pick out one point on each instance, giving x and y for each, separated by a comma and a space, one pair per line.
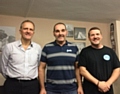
27, 31
60, 33
95, 37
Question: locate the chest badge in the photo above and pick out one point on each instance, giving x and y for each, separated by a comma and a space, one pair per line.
106, 57
69, 50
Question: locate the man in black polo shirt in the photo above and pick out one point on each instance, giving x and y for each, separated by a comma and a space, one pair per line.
99, 65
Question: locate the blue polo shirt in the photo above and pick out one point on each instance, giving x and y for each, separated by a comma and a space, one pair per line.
60, 62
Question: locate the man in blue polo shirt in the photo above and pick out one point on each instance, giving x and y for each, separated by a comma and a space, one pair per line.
60, 59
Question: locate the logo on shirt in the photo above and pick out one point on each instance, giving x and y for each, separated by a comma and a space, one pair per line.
69, 50
106, 57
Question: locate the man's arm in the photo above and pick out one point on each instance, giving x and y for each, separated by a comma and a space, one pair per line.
42, 77
79, 80
114, 76
4, 60
103, 86
87, 75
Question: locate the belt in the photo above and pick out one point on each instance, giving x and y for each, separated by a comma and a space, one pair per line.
19, 80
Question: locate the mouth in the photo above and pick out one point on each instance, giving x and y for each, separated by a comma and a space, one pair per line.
96, 39
60, 36
27, 33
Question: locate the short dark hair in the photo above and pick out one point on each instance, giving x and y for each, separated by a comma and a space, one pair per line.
93, 28
25, 22
58, 24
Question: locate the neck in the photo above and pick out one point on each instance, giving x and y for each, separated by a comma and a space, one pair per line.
97, 46
25, 43
61, 43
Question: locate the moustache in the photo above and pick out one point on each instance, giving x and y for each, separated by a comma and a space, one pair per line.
96, 38
61, 36
27, 33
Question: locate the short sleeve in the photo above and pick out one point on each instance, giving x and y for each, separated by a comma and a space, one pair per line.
82, 59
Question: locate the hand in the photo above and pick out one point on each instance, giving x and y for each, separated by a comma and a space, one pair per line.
42, 91
103, 86
80, 90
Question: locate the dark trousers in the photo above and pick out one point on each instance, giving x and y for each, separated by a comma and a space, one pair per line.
13, 86
69, 92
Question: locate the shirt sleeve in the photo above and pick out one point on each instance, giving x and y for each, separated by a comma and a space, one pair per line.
82, 59
39, 56
77, 54
4, 60
44, 55
116, 62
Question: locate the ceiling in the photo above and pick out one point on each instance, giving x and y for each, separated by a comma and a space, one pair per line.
104, 11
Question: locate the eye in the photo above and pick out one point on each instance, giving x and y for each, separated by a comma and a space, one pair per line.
57, 30
63, 30
91, 34
28, 29
60, 30
25, 28
31, 29
98, 34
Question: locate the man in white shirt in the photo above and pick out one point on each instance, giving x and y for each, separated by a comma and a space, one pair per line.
20, 60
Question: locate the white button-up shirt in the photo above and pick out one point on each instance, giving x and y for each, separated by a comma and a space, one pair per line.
19, 63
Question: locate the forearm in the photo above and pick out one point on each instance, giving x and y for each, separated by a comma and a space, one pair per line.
104, 86
4, 60
79, 80
88, 76
114, 76
3, 66
42, 77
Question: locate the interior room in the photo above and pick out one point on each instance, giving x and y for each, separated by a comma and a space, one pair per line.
75, 13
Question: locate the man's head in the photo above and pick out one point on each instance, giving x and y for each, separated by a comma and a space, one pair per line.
95, 36
27, 28
60, 32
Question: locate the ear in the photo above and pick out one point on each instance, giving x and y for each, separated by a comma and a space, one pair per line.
66, 32
89, 38
53, 33
20, 31
101, 37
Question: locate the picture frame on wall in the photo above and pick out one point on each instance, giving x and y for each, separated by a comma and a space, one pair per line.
79, 33
80, 45
70, 30
112, 38
7, 35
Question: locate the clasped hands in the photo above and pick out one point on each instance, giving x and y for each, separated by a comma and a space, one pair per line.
103, 86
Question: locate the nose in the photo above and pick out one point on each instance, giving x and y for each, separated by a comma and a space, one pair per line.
60, 32
95, 36
28, 30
